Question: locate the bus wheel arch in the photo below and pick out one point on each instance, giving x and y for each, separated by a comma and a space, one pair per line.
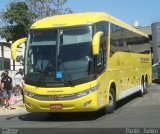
113, 86
112, 100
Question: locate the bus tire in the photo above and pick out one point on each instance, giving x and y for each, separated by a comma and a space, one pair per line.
141, 93
146, 86
112, 103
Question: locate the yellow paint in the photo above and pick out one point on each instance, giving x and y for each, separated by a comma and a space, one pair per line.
14, 47
96, 43
78, 19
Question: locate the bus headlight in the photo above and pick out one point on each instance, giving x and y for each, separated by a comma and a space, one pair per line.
36, 96
29, 94
88, 91
79, 94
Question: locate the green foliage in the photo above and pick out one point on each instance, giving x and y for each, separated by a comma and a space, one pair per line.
59, 7
19, 16
44, 8
17, 19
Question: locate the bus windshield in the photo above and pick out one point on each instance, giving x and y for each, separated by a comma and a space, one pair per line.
59, 54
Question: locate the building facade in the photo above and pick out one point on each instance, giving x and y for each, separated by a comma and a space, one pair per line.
156, 41
6, 61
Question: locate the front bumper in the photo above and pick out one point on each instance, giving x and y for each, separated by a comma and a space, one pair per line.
83, 104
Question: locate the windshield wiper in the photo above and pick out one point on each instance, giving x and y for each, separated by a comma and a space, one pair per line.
43, 75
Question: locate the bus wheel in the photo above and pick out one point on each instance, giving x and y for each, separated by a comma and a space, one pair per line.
145, 86
142, 91
112, 103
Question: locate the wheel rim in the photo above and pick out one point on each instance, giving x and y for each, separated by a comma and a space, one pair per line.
111, 101
142, 86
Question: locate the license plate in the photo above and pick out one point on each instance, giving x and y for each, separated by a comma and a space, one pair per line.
56, 106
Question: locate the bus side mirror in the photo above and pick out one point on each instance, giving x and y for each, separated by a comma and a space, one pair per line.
96, 42
14, 47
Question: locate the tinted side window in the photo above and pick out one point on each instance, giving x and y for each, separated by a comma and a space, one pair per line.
137, 43
127, 41
102, 26
117, 40
102, 57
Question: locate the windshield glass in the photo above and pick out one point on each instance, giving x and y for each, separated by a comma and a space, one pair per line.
61, 55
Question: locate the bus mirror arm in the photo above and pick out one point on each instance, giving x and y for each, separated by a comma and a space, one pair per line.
14, 47
96, 42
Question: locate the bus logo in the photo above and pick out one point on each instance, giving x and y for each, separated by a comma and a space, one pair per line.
145, 60
55, 98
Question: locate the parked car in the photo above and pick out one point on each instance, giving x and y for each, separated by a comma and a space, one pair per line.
156, 71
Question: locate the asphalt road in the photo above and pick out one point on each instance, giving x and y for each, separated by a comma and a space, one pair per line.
132, 112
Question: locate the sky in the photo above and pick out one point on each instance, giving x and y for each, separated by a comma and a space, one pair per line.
145, 11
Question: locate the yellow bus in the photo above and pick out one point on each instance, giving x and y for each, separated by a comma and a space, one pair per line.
83, 62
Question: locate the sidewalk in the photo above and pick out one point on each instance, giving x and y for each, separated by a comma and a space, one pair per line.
16, 108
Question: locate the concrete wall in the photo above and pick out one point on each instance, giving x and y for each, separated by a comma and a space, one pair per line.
156, 42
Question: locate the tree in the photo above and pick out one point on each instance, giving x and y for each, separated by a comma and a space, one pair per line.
17, 19
44, 8
59, 7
